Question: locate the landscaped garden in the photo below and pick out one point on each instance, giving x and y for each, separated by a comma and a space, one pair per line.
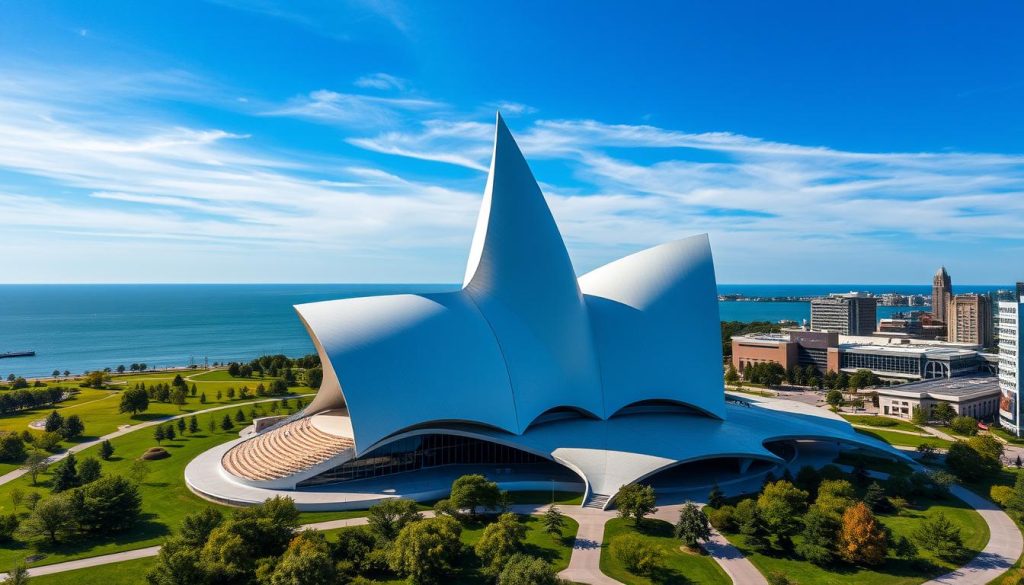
882, 421
828, 526
676, 564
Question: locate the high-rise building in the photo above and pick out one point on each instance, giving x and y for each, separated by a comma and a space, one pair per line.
970, 319
1010, 342
942, 291
849, 314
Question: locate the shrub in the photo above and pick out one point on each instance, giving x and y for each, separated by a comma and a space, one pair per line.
154, 453
1002, 495
941, 537
964, 425
12, 448
639, 556
723, 518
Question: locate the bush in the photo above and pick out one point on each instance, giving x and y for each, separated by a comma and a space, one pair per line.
941, 537
639, 556
1002, 495
154, 453
49, 441
964, 425
723, 518
12, 448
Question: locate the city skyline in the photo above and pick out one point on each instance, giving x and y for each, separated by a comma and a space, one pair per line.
262, 142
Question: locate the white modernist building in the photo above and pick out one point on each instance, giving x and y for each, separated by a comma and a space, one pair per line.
527, 372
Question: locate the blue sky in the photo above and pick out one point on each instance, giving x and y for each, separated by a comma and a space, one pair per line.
346, 141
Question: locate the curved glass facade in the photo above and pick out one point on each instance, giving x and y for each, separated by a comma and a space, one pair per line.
424, 451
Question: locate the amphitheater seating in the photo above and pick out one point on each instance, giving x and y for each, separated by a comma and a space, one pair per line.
283, 451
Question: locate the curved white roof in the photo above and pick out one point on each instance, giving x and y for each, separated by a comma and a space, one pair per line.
521, 338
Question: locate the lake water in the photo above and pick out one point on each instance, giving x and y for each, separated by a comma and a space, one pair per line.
87, 327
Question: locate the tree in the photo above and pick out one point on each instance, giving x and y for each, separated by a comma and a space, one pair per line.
67, 373
862, 539
72, 427
927, 451
874, 496
106, 450
65, 475
239, 416
18, 575
178, 396
780, 505
941, 537
553, 521
808, 479
820, 535
52, 518
53, 422
8, 525
526, 570
233, 369
48, 441
17, 497
716, 499
474, 491
692, 526
169, 432
226, 424
56, 373
307, 560
636, 501
834, 497
35, 464
230, 393
943, 412
196, 527
202, 398
387, 518
731, 375
192, 391
193, 424
426, 551
975, 458
110, 504
138, 471
134, 400
120, 369
12, 448
89, 470
918, 417
499, 541
314, 377
639, 556
834, 398
159, 434
181, 426
964, 425
95, 379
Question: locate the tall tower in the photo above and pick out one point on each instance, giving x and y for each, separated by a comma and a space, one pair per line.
942, 290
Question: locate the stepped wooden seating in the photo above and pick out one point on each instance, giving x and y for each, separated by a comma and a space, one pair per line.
283, 451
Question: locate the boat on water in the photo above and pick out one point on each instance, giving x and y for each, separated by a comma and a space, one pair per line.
14, 354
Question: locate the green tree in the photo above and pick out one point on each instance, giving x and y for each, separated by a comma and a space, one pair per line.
202, 398
108, 505
731, 375
89, 470
526, 570
106, 450
52, 518
182, 426
780, 505
835, 496
169, 432
8, 525
474, 491
65, 475
639, 556
12, 448
35, 464
314, 377
196, 527
692, 526
18, 575
874, 496
975, 458
387, 518
834, 398
178, 396
943, 412
941, 537
820, 535
553, 521
159, 434
53, 422
134, 400
226, 424
918, 416
239, 416
72, 427
716, 499
193, 424
426, 551
306, 561
636, 501
752, 524
499, 541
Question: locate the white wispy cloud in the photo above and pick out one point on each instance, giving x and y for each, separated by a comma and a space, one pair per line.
352, 110
382, 81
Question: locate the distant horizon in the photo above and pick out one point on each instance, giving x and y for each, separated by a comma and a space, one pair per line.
454, 284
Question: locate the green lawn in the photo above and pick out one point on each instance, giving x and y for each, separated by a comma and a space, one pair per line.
166, 499
124, 573
677, 566
893, 571
905, 439
882, 421
1007, 436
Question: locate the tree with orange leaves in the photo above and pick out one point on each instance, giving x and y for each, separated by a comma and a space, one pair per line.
862, 540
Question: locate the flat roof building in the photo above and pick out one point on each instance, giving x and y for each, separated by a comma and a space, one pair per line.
976, 395
1011, 339
851, 313
970, 319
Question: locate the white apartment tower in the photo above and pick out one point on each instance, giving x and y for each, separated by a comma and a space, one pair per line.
1010, 344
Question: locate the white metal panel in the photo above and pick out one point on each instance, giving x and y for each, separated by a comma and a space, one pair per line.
656, 326
404, 360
